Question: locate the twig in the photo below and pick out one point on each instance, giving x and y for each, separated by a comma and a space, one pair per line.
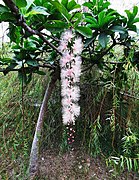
21, 22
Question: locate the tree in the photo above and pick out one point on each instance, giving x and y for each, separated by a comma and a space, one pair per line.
35, 27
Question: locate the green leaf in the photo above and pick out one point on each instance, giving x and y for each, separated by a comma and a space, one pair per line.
119, 29
108, 19
88, 4
93, 26
90, 40
129, 15
29, 3
40, 72
7, 17
91, 19
135, 164
30, 45
135, 20
85, 31
3, 9
20, 3
101, 17
130, 163
64, 2
37, 10
61, 9
11, 66
72, 5
133, 28
135, 11
127, 163
6, 60
32, 63
55, 26
103, 40
92, 22
106, 5
77, 18
123, 35
14, 33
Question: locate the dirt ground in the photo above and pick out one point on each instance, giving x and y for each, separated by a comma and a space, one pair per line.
76, 165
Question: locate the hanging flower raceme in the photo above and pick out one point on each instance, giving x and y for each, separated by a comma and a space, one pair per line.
70, 62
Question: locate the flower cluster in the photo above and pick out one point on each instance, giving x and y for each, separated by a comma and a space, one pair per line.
70, 62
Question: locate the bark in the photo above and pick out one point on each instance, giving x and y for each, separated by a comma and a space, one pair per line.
34, 155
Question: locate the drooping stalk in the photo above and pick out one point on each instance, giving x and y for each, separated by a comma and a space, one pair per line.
71, 48
70, 63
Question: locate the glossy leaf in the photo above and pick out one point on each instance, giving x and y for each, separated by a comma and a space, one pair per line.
85, 31
88, 4
91, 19
55, 26
135, 20
61, 9
29, 3
7, 17
3, 9
131, 16
77, 18
20, 3
119, 29
101, 17
37, 10
106, 5
103, 40
133, 28
72, 5
92, 22
135, 11
64, 2
14, 33
32, 63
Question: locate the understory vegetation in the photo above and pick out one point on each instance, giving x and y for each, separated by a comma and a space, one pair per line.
108, 125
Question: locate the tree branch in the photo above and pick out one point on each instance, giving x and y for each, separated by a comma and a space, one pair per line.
99, 57
5, 71
22, 22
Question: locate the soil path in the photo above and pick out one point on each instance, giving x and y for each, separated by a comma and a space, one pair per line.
77, 165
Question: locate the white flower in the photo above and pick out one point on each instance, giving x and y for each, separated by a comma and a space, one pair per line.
75, 95
67, 57
77, 72
78, 46
63, 46
78, 60
66, 101
70, 74
75, 109
67, 116
67, 36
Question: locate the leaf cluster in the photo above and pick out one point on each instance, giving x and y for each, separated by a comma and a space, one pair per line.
35, 27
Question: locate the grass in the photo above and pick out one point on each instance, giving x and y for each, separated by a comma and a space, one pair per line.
19, 110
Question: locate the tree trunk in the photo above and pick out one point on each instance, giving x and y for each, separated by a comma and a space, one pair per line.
34, 155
